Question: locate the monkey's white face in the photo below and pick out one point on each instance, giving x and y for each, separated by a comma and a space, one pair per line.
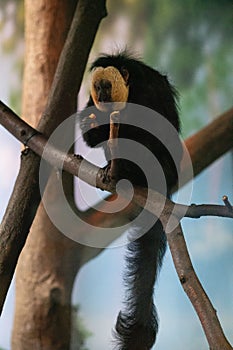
109, 89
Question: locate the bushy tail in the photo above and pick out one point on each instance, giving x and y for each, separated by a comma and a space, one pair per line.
137, 324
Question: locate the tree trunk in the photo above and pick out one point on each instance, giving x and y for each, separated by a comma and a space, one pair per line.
46, 269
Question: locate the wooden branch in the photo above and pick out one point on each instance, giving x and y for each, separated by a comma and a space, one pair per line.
211, 142
176, 242
193, 288
227, 203
93, 175
72, 62
185, 271
25, 198
196, 211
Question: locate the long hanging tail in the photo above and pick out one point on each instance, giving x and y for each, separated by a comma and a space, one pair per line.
137, 324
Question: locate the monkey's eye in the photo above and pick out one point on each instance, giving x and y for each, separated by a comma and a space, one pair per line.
103, 84
125, 74
97, 86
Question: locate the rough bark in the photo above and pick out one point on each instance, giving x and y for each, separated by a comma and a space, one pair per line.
49, 261
42, 301
193, 288
46, 27
211, 140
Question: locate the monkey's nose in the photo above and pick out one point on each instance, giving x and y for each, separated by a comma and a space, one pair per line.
104, 90
104, 97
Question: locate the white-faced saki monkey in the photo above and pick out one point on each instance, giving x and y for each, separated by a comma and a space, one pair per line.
117, 82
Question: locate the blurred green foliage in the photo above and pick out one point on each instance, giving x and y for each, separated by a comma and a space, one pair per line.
11, 34
12, 19
80, 334
190, 40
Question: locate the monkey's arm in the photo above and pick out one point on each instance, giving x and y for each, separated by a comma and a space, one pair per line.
94, 125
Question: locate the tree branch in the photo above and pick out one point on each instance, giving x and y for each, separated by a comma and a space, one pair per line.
25, 198
185, 271
90, 172
212, 141
194, 290
94, 175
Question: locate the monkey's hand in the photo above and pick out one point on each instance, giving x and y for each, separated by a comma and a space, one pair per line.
89, 122
94, 123
93, 133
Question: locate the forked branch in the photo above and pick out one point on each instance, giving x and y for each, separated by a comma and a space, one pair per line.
26, 196
89, 173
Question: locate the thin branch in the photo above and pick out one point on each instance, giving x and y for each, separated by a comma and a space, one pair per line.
185, 271
196, 211
25, 198
179, 251
94, 175
193, 288
227, 203
188, 278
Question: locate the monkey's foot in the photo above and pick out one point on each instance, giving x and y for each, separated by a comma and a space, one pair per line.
110, 171
107, 174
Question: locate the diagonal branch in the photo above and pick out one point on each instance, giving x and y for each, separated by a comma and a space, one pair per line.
194, 290
187, 276
90, 172
25, 198
211, 142
94, 175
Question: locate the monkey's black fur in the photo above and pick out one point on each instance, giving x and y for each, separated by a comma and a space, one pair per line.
137, 324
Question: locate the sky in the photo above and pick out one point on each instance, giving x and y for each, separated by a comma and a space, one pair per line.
98, 287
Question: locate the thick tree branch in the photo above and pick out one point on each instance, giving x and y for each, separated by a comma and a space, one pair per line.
72, 62
94, 175
212, 141
26, 195
89, 173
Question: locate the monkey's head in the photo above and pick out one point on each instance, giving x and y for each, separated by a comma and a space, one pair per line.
109, 88
121, 78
